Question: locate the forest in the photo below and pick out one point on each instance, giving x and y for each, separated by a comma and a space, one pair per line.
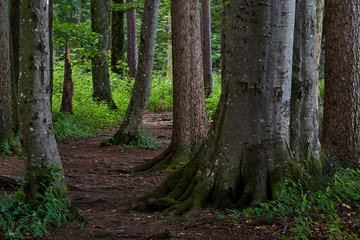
179, 119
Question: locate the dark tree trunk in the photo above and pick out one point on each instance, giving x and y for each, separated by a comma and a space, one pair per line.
5, 75
129, 129
132, 58
117, 40
100, 23
36, 129
319, 63
188, 87
206, 46
245, 153
68, 86
223, 35
51, 47
304, 133
342, 80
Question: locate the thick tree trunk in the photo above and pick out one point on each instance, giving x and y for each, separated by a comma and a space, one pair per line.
5, 75
68, 86
223, 35
132, 58
206, 46
117, 40
342, 80
304, 134
129, 129
100, 23
245, 154
36, 128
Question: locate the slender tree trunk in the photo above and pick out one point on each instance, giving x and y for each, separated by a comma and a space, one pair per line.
245, 153
319, 63
51, 47
5, 75
206, 46
342, 80
100, 23
304, 133
36, 128
129, 129
68, 86
117, 40
132, 58
188, 87
223, 35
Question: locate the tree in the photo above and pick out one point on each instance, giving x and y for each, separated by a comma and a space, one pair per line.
189, 128
68, 85
244, 157
206, 45
36, 129
341, 127
117, 39
5, 75
100, 23
132, 58
304, 133
129, 129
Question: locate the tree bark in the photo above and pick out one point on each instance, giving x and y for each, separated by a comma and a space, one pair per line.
206, 46
132, 58
245, 153
117, 40
319, 64
36, 129
189, 112
342, 80
100, 23
68, 86
223, 35
304, 131
129, 129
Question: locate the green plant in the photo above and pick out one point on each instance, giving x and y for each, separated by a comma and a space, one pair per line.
144, 140
10, 145
212, 101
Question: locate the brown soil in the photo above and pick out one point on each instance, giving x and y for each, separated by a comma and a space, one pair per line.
105, 194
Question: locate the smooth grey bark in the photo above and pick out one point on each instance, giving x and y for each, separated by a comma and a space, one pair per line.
117, 41
129, 129
5, 75
341, 126
100, 23
206, 45
36, 128
244, 157
304, 130
132, 56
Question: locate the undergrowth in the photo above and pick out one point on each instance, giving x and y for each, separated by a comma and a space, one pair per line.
144, 140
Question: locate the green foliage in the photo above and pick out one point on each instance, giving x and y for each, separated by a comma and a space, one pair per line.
20, 219
212, 101
8, 146
144, 140
161, 97
322, 88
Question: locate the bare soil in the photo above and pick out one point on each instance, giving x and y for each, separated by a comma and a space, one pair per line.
105, 195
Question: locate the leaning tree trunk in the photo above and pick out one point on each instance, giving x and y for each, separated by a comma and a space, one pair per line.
5, 75
100, 23
129, 129
117, 39
132, 58
342, 80
304, 134
245, 154
206, 46
188, 88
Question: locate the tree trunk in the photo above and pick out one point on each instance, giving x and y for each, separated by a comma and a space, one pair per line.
132, 58
206, 46
342, 80
189, 112
117, 40
304, 134
51, 47
100, 23
223, 35
5, 75
319, 48
245, 153
129, 129
36, 127
68, 86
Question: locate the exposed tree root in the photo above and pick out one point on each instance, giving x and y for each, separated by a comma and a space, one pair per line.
8, 182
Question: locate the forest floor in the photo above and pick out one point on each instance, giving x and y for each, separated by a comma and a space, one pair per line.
105, 195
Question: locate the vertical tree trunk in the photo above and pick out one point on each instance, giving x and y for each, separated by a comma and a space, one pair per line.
132, 58
304, 133
68, 86
100, 23
188, 87
223, 35
117, 40
5, 75
51, 47
129, 129
319, 63
245, 153
206, 46
342, 80
36, 129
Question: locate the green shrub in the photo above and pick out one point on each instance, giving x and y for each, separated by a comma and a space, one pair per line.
144, 140
212, 101
161, 97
